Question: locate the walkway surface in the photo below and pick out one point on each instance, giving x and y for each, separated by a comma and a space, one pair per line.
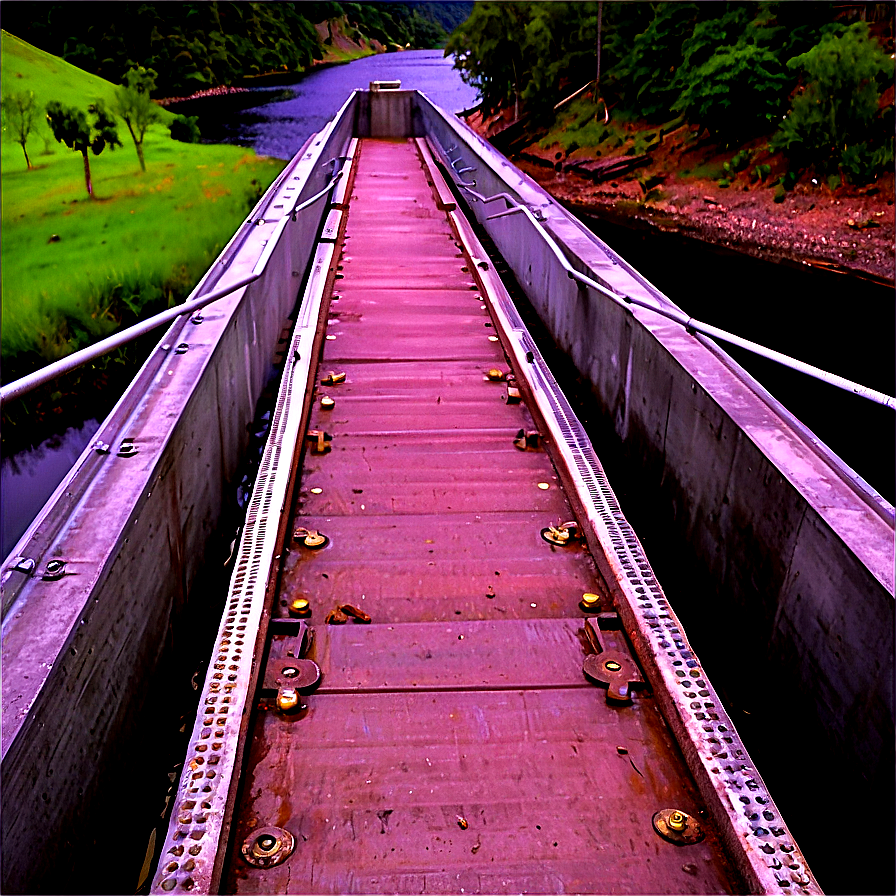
454, 744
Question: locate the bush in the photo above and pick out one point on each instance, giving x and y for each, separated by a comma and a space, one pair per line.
644, 74
835, 122
185, 129
736, 93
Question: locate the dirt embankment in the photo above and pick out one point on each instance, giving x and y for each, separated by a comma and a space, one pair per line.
851, 229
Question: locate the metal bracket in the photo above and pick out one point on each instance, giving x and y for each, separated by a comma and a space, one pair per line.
292, 672
528, 439
320, 440
610, 665
23, 564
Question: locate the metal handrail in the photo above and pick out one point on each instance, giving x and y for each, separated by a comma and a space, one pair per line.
689, 323
20, 387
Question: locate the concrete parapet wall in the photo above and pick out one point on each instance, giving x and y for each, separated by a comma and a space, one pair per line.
799, 552
79, 653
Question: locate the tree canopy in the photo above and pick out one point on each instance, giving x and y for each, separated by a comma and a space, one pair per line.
71, 127
196, 45
19, 117
732, 67
134, 106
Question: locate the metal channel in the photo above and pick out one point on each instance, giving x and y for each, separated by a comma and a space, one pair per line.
754, 830
453, 743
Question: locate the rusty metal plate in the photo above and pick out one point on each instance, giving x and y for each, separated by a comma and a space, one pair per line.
452, 655
410, 567
454, 744
373, 787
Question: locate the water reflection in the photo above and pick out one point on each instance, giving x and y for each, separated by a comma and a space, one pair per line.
29, 478
279, 129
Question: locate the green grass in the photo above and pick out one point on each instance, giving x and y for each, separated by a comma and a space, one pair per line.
581, 126
141, 243
711, 170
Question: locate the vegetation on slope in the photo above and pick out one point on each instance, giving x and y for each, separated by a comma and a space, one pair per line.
801, 74
75, 269
195, 46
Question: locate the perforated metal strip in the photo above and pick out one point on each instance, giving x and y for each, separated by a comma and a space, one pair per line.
197, 828
755, 833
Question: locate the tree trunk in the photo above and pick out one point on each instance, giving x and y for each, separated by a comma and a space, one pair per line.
87, 174
138, 145
27, 160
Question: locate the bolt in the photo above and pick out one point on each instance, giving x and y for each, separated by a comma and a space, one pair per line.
612, 666
327, 403
677, 820
287, 699
300, 606
590, 603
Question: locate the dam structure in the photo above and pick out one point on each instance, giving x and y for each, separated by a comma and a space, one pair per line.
444, 662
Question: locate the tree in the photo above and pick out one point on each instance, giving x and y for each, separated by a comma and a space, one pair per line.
133, 104
19, 114
836, 121
70, 126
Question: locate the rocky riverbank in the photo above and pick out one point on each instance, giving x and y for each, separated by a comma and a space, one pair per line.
835, 226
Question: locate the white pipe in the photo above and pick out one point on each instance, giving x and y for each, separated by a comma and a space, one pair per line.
689, 323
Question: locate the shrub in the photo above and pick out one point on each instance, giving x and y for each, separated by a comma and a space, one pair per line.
736, 93
185, 129
835, 122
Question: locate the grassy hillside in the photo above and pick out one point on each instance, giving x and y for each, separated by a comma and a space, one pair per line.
75, 269
23, 67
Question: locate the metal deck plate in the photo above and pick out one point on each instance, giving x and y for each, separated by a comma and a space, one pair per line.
454, 744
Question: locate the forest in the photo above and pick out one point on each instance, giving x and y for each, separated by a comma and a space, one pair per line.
817, 78
194, 46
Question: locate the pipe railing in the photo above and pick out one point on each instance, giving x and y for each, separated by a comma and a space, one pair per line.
689, 323
24, 385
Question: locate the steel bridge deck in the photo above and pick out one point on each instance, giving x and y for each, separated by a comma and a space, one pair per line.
454, 744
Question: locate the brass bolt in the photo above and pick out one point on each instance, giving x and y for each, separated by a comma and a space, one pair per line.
612, 666
265, 844
311, 538
327, 403
677, 820
590, 602
287, 699
300, 606
495, 375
